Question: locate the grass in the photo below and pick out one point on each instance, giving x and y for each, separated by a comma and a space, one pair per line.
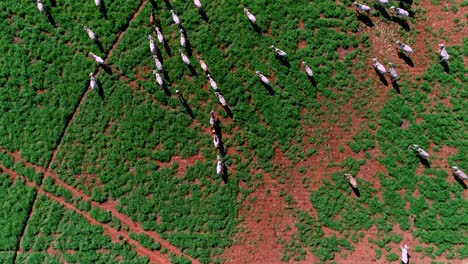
130, 143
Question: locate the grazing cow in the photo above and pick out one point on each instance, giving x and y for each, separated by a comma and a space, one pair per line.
383, 2
91, 34
184, 57
213, 83
97, 58
159, 79
221, 99
219, 166
40, 6
160, 35
183, 41
152, 45
175, 17
92, 81
361, 7
393, 73
212, 119
249, 15
443, 52
263, 78
197, 3
351, 180
379, 67
97, 3
402, 47
404, 254
459, 173
159, 66
419, 151
202, 64
400, 12
216, 140
279, 52
308, 70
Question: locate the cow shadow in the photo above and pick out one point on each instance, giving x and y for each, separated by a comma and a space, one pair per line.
445, 66
312, 80
228, 111
224, 174
402, 22
100, 90
103, 9
99, 44
50, 18
424, 162
461, 182
383, 11
365, 19
407, 59
168, 5
356, 191
203, 14
107, 69
268, 88
382, 78
166, 89
396, 87
186, 106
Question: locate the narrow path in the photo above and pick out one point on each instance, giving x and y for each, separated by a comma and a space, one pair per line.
153, 255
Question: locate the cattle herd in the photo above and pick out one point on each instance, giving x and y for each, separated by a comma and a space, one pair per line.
403, 49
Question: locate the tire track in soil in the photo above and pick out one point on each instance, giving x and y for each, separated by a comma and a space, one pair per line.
153, 256
60, 139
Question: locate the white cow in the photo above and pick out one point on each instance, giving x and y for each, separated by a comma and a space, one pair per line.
97, 58
383, 2
422, 153
212, 119
263, 78
279, 52
160, 35
393, 72
351, 180
250, 16
175, 17
40, 6
379, 67
443, 52
221, 99
159, 79
183, 41
362, 8
213, 83
308, 70
219, 166
400, 12
152, 45
97, 3
159, 65
91, 34
92, 81
184, 57
404, 254
197, 3
459, 173
404, 48
216, 140
202, 64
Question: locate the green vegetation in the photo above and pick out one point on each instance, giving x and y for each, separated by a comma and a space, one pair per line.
71, 236
15, 204
136, 145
